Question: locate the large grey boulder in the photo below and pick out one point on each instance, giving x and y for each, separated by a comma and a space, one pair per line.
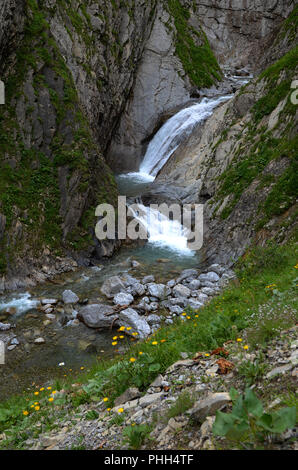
153, 319
181, 291
148, 279
70, 297
210, 277
112, 286
130, 318
98, 316
209, 406
194, 304
160, 291
123, 299
187, 273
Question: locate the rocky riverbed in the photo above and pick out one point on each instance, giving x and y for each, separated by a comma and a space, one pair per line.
75, 326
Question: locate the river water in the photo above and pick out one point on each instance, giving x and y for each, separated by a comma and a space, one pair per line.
164, 255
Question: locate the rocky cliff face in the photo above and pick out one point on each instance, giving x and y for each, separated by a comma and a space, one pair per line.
238, 29
241, 163
68, 68
92, 79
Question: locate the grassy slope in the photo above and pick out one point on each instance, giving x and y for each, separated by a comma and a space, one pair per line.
221, 320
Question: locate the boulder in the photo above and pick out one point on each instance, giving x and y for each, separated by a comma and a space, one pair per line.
130, 318
209, 406
160, 291
210, 277
112, 286
187, 273
70, 297
97, 316
181, 291
129, 394
153, 319
123, 299
148, 279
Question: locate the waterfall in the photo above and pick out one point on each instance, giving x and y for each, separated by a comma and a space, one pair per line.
163, 232
174, 132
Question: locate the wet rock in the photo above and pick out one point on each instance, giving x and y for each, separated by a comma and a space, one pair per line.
39, 340
49, 301
69, 297
97, 316
123, 299
130, 318
112, 286
135, 264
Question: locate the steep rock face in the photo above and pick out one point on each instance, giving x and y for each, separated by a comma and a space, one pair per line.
161, 85
238, 29
168, 75
177, 59
68, 70
242, 163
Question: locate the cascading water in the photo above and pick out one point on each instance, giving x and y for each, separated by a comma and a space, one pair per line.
174, 132
163, 232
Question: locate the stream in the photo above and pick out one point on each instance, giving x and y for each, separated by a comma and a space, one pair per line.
69, 347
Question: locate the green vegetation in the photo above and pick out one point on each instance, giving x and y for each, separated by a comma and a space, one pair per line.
248, 423
193, 49
184, 402
29, 188
260, 274
135, 435
261, 146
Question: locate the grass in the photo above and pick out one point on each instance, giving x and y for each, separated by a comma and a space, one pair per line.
222, 319
135, 436
184, 402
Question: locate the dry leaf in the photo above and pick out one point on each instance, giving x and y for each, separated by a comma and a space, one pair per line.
219, 351
225, 366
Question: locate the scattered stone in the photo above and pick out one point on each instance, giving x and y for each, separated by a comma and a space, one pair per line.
158, 290
123, 299
279, 370
210, 277
97, 316
112, 286
39, 341
130, 394
209, 406
69, 297
130, 318
181, 291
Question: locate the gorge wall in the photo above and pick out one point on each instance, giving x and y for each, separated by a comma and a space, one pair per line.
87, 84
